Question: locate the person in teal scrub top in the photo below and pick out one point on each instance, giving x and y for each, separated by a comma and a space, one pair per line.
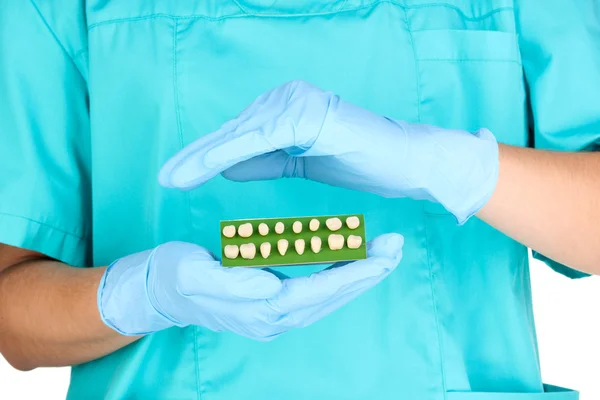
463, 130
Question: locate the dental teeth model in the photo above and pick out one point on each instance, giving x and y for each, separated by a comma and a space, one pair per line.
279, 228
299, 244
245, 230
265, 249
335, 242
354, 242
333, 224
263, 229
297, 227
315, 244
248, 251
282, 246
313, 224
231, 251
293, 241
229, 231
352, 222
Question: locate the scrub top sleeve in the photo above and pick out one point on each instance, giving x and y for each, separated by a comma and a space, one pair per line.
44, 136
559, 47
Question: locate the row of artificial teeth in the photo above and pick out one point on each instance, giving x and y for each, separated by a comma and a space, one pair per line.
248, 250
333, 224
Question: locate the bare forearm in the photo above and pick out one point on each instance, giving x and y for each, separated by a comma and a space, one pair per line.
49, 316
550, 202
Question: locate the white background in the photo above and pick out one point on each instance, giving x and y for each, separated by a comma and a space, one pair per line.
567, 317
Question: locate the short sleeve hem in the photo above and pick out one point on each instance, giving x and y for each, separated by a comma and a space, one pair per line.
25, 233
561, 269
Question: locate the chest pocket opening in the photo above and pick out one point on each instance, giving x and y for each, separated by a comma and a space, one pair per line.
471, 79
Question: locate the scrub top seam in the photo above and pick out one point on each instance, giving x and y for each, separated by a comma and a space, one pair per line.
297, 15
178, 107
63, 231
530, 313
340, 8
55, 36
417, 75
80, 52
186, 194
466, 60
176, 83
435, 310
196, 361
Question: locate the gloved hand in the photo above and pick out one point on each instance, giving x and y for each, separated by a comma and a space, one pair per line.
298, 130
180, 284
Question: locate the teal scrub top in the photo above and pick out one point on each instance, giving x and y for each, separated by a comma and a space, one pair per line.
96, 95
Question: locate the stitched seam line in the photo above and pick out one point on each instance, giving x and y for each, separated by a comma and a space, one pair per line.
242, 9
64, 49
196, 362
299, 15
178, 108
435, 311
437, 214
187, 195
75, 235
341, 7
80, 52
176, 84
417, 74
461, 60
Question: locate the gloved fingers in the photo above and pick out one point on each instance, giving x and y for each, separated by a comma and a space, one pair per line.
278, 274
244, 318
307, 316
234, 284
213, 154
388, 245
485, 134
237, 140
275, 165
186, 169
251, 143
302, 301
328, 285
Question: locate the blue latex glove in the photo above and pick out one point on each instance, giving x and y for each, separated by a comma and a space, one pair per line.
180, 284
298, 130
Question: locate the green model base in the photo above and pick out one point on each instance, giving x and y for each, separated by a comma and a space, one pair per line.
291, 257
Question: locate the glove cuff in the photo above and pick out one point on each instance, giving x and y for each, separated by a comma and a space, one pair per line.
123, 300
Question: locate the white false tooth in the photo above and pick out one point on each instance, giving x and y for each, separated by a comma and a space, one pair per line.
336, 242
231, 251
248, 251
279, 228
229, 231
282, 246
315, 244
354, 241
263, 229
333, 224
265, 249
297, 227
313, 225
299, 244
352, 222
245, 230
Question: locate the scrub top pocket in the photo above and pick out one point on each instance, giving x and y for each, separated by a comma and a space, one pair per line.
550, 393
471, 79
